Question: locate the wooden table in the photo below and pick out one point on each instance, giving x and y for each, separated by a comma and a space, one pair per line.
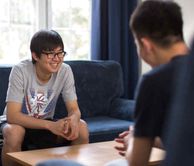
95, 154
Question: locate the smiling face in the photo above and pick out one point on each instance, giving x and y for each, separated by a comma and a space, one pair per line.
47, 65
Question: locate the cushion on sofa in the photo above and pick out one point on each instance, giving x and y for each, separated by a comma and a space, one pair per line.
104, 128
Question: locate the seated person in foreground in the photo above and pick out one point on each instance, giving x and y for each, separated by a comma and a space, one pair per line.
180, 135
157, 27
34, 87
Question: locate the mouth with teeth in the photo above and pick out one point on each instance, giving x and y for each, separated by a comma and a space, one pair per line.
55, 66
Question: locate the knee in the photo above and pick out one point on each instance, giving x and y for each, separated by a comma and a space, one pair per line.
84, 133
83, 126
13, 134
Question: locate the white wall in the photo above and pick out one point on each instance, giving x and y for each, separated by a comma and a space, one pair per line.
188, 17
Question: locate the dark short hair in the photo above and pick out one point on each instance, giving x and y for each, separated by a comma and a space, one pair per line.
45, 40
159, 20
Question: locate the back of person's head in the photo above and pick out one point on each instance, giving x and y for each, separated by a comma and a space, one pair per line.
45, 40
159, 20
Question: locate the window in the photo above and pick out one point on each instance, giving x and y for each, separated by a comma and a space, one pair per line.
71, 21
20, 19
17, 24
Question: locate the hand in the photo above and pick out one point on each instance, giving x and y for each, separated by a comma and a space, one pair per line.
58, 127
71, 129
123, 139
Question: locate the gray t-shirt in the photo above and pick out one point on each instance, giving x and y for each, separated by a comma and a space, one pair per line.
39, 100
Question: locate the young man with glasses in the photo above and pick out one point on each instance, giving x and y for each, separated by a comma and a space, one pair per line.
34, 87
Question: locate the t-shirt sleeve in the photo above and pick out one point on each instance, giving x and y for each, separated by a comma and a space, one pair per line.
148, 109
15, 90
68, 91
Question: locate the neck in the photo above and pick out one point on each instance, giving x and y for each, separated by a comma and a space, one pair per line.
41, 76
165, 55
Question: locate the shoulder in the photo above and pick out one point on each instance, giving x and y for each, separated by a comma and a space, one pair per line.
65, 67
166, 71
65, 72
23, 66
162, 77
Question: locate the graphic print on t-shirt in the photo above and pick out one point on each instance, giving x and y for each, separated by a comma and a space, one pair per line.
37, 102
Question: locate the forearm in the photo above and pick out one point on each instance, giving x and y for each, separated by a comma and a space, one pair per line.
73, 109
138, 151
75, 113
27, 121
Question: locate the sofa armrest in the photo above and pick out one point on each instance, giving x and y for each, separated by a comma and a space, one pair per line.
122, 109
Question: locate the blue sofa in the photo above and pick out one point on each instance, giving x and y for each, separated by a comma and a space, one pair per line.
99, 87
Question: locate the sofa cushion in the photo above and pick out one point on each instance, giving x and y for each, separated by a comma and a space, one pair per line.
104, 128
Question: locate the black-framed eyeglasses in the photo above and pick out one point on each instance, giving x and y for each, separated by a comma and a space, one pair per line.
51, 55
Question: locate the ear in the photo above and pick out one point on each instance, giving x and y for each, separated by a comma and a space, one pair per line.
146, 44
34, 56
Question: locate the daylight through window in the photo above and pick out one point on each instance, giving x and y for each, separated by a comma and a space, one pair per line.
20, 19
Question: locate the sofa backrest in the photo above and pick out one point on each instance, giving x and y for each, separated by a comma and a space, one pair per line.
97, 83
4, 78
